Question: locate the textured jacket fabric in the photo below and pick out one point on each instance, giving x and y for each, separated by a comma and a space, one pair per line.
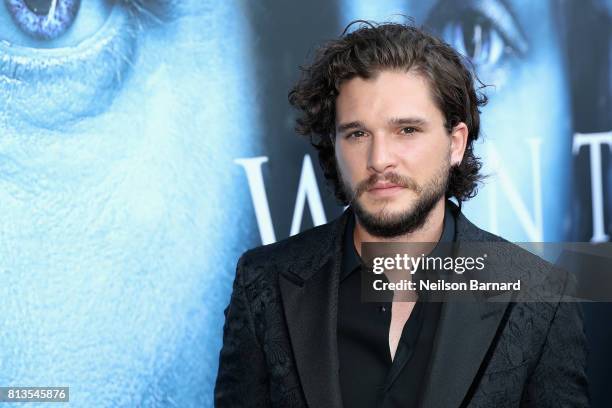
280, 345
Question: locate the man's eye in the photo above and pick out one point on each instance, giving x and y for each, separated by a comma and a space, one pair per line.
408, 130
357, 134
43, 19
477, 39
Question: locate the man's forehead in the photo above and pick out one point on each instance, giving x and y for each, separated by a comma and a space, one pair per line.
391, 83
396, 95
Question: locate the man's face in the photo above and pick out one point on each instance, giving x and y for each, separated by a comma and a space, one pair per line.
392, 150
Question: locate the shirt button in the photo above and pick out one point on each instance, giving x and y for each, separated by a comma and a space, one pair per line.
383, 309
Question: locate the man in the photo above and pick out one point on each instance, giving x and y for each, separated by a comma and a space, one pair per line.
394, 114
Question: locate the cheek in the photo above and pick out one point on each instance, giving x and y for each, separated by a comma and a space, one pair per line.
421, 160
348, 165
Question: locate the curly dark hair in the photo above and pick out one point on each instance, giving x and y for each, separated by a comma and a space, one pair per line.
368, 50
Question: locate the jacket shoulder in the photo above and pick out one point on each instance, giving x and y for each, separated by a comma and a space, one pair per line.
543, 281
300, 250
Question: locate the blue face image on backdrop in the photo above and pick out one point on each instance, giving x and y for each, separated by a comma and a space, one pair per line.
120, 220
123, 209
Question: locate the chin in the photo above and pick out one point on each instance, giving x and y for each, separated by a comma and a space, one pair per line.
389, 207
387, 210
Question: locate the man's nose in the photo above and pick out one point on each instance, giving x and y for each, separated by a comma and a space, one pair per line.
381, 156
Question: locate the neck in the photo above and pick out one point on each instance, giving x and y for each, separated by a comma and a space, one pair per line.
431, 231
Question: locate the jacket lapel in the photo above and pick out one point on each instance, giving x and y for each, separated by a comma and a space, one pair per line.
310, 298
465, 333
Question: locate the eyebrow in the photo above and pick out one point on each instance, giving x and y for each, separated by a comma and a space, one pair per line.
409, 121
349, 126
412, 121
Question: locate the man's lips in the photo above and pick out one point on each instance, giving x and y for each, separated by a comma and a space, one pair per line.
388, 189
383, 186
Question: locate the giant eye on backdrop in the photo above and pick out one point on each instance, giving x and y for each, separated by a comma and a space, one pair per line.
43, 19
476, 38
62, 60
65, 60
482, 30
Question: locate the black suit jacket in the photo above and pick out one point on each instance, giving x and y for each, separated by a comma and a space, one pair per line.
280, 346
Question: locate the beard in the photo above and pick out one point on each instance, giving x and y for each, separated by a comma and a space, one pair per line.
386, 224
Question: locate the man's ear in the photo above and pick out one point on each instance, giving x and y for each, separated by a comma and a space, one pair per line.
459, 137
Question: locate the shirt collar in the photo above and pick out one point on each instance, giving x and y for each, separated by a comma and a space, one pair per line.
351, 259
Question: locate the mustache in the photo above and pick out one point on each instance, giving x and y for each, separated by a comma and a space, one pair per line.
393, 178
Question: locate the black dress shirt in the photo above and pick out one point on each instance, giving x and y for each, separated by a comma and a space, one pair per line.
368, 376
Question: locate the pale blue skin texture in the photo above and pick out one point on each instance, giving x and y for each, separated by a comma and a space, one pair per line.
530, 99
122, 213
